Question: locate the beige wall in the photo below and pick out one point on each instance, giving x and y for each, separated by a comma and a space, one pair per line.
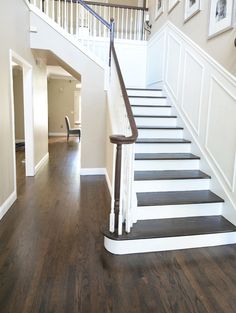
18, 103
14, 15
221, 47
60, 104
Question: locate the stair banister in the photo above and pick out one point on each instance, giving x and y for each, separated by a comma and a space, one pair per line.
119, 140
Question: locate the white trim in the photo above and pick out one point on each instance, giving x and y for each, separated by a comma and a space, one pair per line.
28, 112
108, 182
7, 204
188, 53
231, 184
66, 35
92, 171
42, 162
57, 134
121, 247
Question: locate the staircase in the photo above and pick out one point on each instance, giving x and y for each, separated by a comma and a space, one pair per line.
175, 207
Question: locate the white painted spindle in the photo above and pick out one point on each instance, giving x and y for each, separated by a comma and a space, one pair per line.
71, 17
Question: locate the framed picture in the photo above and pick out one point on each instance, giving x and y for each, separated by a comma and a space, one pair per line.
221, 16
159, 8
192, 7
172, 4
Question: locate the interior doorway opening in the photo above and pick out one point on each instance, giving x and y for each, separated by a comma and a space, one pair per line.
22, 114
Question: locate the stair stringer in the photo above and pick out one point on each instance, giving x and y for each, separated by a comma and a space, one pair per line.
45, 36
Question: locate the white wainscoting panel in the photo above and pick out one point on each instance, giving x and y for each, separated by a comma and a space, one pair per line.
204, 96
192, 90
221, 130
156, 59
173, 64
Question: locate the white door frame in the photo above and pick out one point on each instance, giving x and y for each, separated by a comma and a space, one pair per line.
28, 114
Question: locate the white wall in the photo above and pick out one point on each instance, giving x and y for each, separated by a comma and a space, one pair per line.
204, 94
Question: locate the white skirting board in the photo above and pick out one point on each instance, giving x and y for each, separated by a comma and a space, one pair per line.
7, 204
42, 162
121, 247
57, 134
92, 171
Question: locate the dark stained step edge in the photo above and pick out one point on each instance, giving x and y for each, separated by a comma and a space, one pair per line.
137, 175
148, 97
144, 89
161, 156
156, 116
150, 106
159, 141
159, 127
130, 236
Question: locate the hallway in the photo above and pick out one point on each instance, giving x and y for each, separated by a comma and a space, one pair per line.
52, 258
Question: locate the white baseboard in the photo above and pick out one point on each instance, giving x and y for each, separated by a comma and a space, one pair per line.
7, 204
42, 162
57, 134
108, 182
19, 140
92, 171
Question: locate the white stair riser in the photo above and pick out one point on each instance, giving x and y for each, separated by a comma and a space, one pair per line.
162, 148
160, 133
171, 185
151, 111
177, 211
155, 121
152, 165
148, 93
167, 244
148, 101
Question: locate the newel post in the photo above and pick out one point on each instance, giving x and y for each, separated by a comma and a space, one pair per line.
117, 186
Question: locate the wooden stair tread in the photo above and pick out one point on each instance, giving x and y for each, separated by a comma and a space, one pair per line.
162, 140
166, 156
144, 89
177, 198
148, 97
150, 106
169, 175
161, 127
175, 227
156, 116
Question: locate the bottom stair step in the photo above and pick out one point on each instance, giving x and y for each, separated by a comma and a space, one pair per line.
172, 234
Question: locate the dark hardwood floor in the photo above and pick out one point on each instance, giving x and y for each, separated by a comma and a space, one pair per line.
52, 258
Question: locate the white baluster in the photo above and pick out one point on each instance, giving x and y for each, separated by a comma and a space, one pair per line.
41, 5
126, 24
77, 19
122, 23
135, 25
118, 24
65, 15
131, 24
99, 23
53, 10
59, 12
46, 6
71, 17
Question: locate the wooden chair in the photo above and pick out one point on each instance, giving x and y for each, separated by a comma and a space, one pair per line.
71, 131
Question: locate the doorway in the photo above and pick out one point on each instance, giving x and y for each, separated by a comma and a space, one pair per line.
22, 112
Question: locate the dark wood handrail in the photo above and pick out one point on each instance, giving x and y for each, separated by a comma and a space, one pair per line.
88, 8
120, 139
120, 6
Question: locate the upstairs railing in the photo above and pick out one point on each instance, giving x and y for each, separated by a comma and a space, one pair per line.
122, 207
79, 21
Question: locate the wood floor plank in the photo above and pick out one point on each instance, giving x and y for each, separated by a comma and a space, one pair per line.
52, 258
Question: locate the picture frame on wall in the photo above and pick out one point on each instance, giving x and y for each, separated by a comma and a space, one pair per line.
159, 8
172, 4
192, 7
221, 17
